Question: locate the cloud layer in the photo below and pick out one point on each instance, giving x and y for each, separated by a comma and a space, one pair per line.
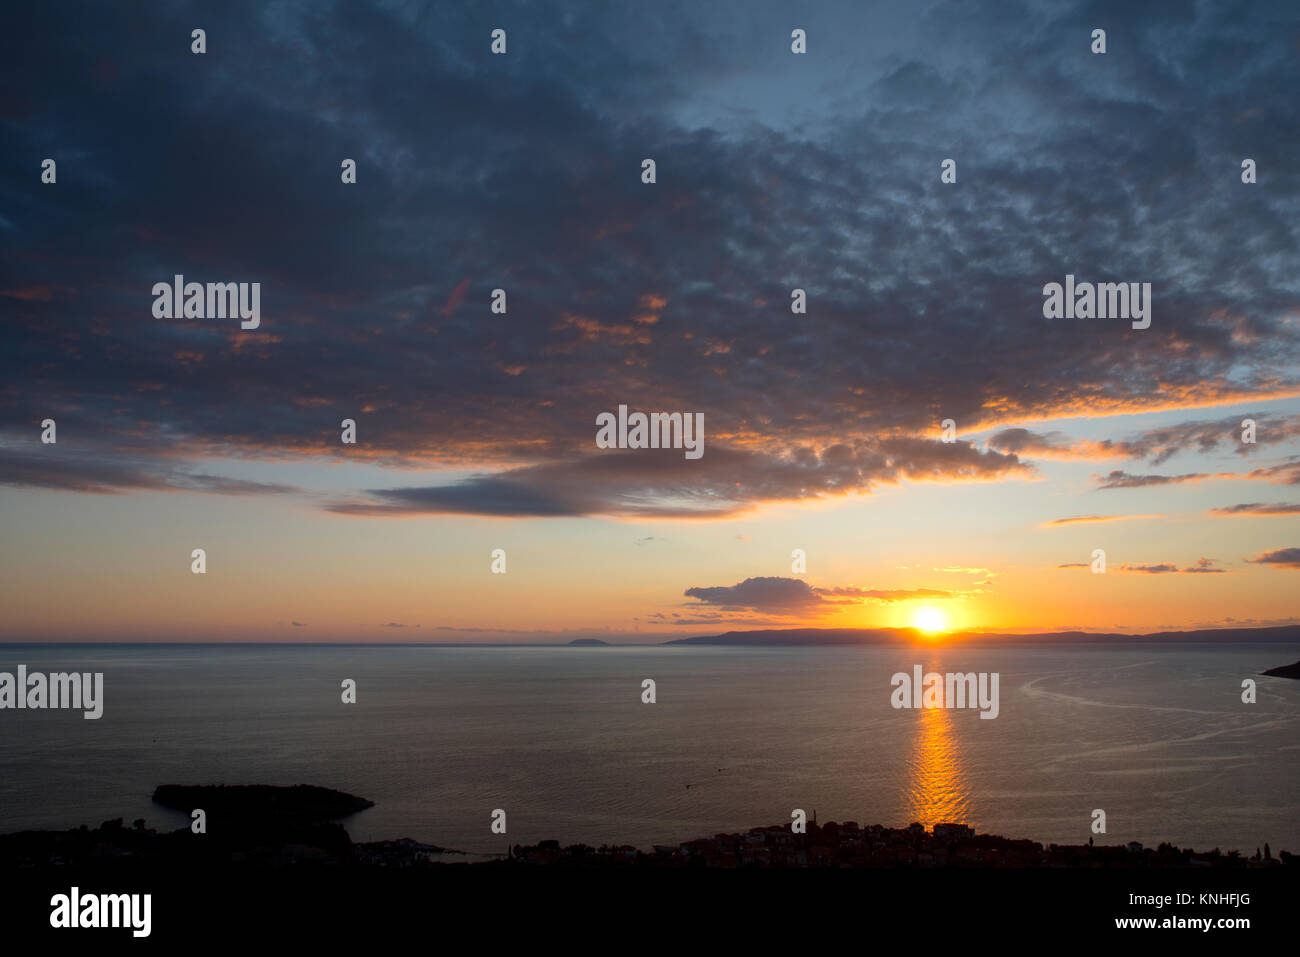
522, 172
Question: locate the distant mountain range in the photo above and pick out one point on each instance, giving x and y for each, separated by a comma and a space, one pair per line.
881, 636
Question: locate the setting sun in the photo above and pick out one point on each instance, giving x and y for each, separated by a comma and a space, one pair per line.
928, 618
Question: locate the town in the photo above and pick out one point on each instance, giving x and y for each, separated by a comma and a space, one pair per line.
849, 845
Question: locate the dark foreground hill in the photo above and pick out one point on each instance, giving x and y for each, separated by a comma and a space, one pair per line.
255, 829
303, 803
1285, 671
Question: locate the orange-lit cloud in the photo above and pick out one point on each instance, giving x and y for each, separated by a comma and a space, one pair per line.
1094, 518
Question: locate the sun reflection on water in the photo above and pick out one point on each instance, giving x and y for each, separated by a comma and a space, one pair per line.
937, 787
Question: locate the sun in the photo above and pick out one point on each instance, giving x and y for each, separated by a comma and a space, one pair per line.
929, 619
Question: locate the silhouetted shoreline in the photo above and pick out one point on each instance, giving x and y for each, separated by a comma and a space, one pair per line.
1284, 671
257, 827
850, 845
301, 802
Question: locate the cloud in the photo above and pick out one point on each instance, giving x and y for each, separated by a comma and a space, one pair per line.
1247, 623
1122, 479
1286, 473
1163, 568
1160, 445
1094, 518
113, 473
1203, 566
663, 484
375, 296
793, 595
760, 594
1021, 441
886, 595
700, 618
457, 295
1156, 445
1281, 558
1258, 508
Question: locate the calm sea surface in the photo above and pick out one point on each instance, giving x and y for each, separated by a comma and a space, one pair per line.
1156, 736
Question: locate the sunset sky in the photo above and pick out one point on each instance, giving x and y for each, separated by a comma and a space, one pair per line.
775, 171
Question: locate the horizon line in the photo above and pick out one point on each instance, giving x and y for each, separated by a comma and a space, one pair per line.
916, 634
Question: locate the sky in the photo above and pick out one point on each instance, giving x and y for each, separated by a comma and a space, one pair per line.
828, 493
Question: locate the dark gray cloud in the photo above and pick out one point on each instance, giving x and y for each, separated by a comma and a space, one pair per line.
793, 595
522, 172
1156, 445
662, 483
1020, 441
1258, 508
1285, 473
1160, 569
108, 473
1281, 557
760, 594
1160, 445
1121, 479
1203, 566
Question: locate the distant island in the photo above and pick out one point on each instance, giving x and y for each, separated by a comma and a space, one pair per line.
588, 642
875, 636
1284, 671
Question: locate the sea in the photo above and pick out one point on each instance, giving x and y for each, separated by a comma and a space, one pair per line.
1156, 736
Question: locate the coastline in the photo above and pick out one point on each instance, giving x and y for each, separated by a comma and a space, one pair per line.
255, 827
